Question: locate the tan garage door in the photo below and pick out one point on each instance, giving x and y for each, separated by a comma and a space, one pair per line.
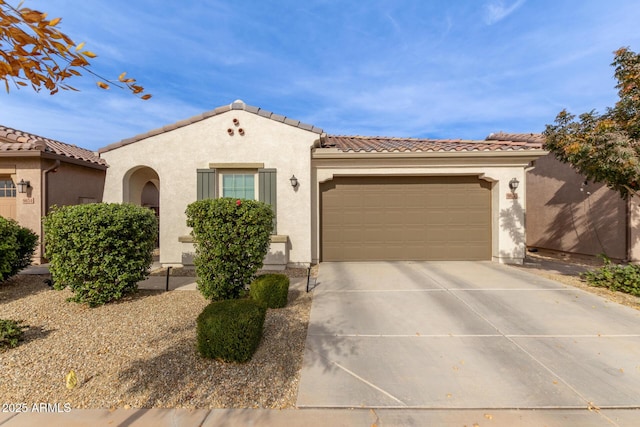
405, 218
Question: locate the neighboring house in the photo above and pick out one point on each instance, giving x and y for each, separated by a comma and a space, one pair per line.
567, 213
336, 198
37, 172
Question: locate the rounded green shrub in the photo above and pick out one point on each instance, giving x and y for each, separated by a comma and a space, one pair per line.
100, 250
230, 330
17, 244
231, 240
270, 289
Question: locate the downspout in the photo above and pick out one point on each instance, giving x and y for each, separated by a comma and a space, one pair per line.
45, 201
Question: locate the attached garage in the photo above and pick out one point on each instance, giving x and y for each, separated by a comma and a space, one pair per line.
372, 218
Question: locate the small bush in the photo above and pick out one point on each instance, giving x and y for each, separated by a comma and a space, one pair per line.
100, 250
230, 330
623, 278
16, 247
10, 333
270, 289
231, 240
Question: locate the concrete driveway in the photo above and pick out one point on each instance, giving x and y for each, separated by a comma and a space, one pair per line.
470, 335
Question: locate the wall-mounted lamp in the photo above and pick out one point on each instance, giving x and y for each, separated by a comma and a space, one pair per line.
513, 185
294, 181
23, 186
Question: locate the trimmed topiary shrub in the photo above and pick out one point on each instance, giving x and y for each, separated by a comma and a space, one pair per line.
11, 332
623, 278
271, 290
100, 250
231, 240
17, 244
230, 330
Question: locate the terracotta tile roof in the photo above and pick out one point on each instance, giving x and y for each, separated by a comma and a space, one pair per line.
236, 105
533, 138
18, 141
386, 144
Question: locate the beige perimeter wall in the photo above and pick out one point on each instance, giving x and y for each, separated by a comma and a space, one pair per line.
566, 215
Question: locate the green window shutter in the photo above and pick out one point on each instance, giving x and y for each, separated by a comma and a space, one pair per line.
267, 191
206, 184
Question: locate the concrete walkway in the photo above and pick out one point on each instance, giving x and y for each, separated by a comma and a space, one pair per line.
324, 418
466, 335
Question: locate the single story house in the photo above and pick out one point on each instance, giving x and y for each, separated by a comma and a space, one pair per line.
568, 214
336, 198
38, 172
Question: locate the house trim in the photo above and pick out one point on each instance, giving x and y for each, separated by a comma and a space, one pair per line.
236, 165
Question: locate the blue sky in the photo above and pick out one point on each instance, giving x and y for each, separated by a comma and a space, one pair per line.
423, 68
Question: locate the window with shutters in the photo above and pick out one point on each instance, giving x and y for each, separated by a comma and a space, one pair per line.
241, 184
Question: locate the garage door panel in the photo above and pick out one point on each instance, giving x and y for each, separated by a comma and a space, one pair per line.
405, 218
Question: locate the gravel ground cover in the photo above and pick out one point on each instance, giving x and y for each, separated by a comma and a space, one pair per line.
140, 352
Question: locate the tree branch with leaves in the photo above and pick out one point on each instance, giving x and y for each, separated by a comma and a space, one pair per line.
605, 147
35, 52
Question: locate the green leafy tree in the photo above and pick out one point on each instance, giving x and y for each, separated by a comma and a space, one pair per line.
605, 147
33, 50
231, 239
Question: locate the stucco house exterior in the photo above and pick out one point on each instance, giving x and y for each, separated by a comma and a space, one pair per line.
570, 215
38, 172
336, 198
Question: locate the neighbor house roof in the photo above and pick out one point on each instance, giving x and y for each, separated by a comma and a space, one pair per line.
532, 138
387, 144
236, 105
16, 142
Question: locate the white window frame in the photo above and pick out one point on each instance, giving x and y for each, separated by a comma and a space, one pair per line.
253, 172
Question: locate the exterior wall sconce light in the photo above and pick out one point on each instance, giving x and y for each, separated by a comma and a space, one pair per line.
294, 181
23, 186
513, 185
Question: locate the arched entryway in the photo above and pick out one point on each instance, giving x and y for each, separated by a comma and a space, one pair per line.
141, 186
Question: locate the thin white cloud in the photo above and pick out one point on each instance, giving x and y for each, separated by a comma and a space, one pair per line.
497, 10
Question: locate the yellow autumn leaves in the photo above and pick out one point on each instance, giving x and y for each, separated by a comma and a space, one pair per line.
33, 51
71, 380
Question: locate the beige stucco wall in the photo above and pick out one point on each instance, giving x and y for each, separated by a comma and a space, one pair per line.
566, 215
28, 206
177, 154
508, 241
74, 184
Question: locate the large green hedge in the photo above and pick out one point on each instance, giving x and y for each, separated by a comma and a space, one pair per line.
230, 330
101, 250
231, 240
17, 244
